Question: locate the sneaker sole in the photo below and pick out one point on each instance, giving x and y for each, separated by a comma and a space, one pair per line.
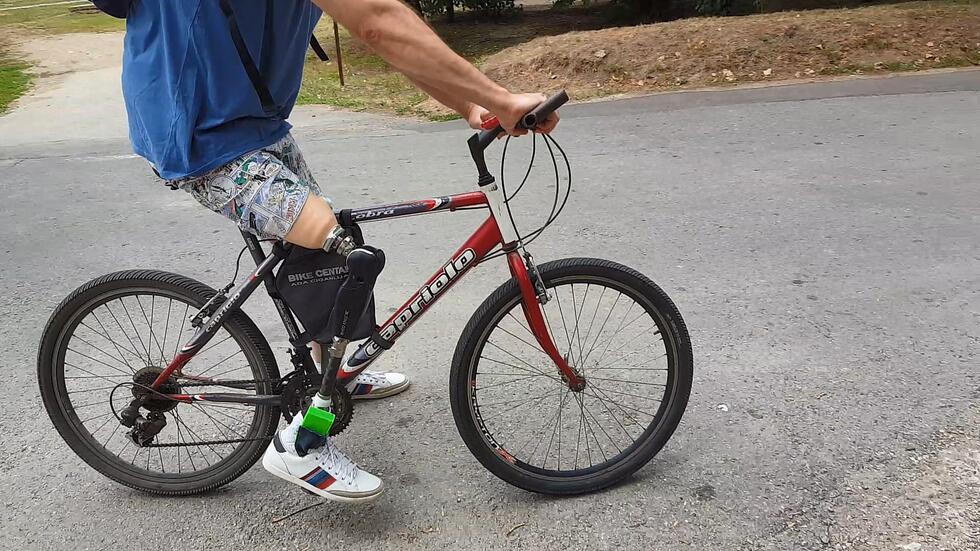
390, 391
272, 469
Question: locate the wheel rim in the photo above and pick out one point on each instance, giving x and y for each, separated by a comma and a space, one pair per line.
119, 333
527, 414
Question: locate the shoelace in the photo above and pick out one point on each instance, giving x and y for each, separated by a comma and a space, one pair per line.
330, 456
371, 378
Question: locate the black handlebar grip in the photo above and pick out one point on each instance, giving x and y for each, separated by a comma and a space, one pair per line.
541, 112
528, 121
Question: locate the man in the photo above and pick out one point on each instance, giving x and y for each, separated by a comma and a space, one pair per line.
195, 116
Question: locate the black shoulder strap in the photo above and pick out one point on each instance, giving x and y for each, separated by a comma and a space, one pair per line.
254, 75
318, 49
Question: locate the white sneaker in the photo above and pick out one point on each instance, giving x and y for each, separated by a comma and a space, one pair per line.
370, 385
326, 472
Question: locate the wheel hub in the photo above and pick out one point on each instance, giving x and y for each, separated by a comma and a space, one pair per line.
149, 399
580, 386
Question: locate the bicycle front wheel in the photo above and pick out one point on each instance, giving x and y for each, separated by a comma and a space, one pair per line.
522, 422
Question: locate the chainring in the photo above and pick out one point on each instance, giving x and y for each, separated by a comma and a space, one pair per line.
298, 390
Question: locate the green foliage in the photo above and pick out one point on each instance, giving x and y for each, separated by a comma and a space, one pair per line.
57, 19
713, 7
13, 82
434, 8
490, 7
643, 10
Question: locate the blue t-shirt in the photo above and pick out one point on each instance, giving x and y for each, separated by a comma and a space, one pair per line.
191, 106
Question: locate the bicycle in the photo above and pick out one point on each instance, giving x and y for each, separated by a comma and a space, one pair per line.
587, 383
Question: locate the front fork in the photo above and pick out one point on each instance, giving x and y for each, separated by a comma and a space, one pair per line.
533, 296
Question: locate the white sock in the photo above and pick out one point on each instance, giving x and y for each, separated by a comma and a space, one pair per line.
288, 434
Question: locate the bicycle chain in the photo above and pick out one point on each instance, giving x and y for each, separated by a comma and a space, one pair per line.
207, 443
229, 382
210, 443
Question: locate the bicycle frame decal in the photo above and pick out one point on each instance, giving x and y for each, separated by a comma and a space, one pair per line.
483, 240
486, 237
208, 329
425, 206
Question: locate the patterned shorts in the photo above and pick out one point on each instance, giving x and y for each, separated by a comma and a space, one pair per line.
262, 191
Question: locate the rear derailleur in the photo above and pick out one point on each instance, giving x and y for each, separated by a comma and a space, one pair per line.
143, 430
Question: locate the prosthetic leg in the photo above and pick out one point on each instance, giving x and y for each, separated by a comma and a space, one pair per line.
364, 265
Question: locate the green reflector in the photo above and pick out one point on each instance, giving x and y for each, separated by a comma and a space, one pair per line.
318, 420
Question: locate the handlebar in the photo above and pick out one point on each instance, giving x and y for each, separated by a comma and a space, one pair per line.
527, 122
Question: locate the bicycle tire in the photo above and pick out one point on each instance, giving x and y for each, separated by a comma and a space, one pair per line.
51, 375
578, 481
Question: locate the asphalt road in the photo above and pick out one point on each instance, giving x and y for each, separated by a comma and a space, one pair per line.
822, 242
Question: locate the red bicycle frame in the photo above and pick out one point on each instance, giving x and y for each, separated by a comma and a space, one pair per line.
484, 240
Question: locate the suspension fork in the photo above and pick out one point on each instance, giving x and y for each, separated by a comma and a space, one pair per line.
533, 295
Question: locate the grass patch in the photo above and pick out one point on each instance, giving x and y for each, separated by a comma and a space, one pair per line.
14, 81
55, 19
373, 86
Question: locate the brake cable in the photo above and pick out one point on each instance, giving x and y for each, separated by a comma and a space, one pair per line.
559, 202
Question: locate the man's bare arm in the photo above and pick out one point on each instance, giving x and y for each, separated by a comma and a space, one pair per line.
398, 35
471, 112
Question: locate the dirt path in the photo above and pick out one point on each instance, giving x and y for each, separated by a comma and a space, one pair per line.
76, 94
764, 48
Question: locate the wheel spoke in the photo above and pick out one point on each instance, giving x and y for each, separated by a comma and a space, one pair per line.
217, 423
105, 335
617, 404
602, 327
183, 320
603, 429
556, 430
578, 314
508, 382
613, 415
106, 378
201, 374
151, 338
212, 345
616, 332
628, 382
519, 410
114, 368
146, 347
592, 321
121, 330
564, 325
533, 346
166, 330
106, 346
536, 370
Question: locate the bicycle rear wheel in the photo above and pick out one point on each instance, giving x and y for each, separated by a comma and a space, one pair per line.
620, 331
110, 339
